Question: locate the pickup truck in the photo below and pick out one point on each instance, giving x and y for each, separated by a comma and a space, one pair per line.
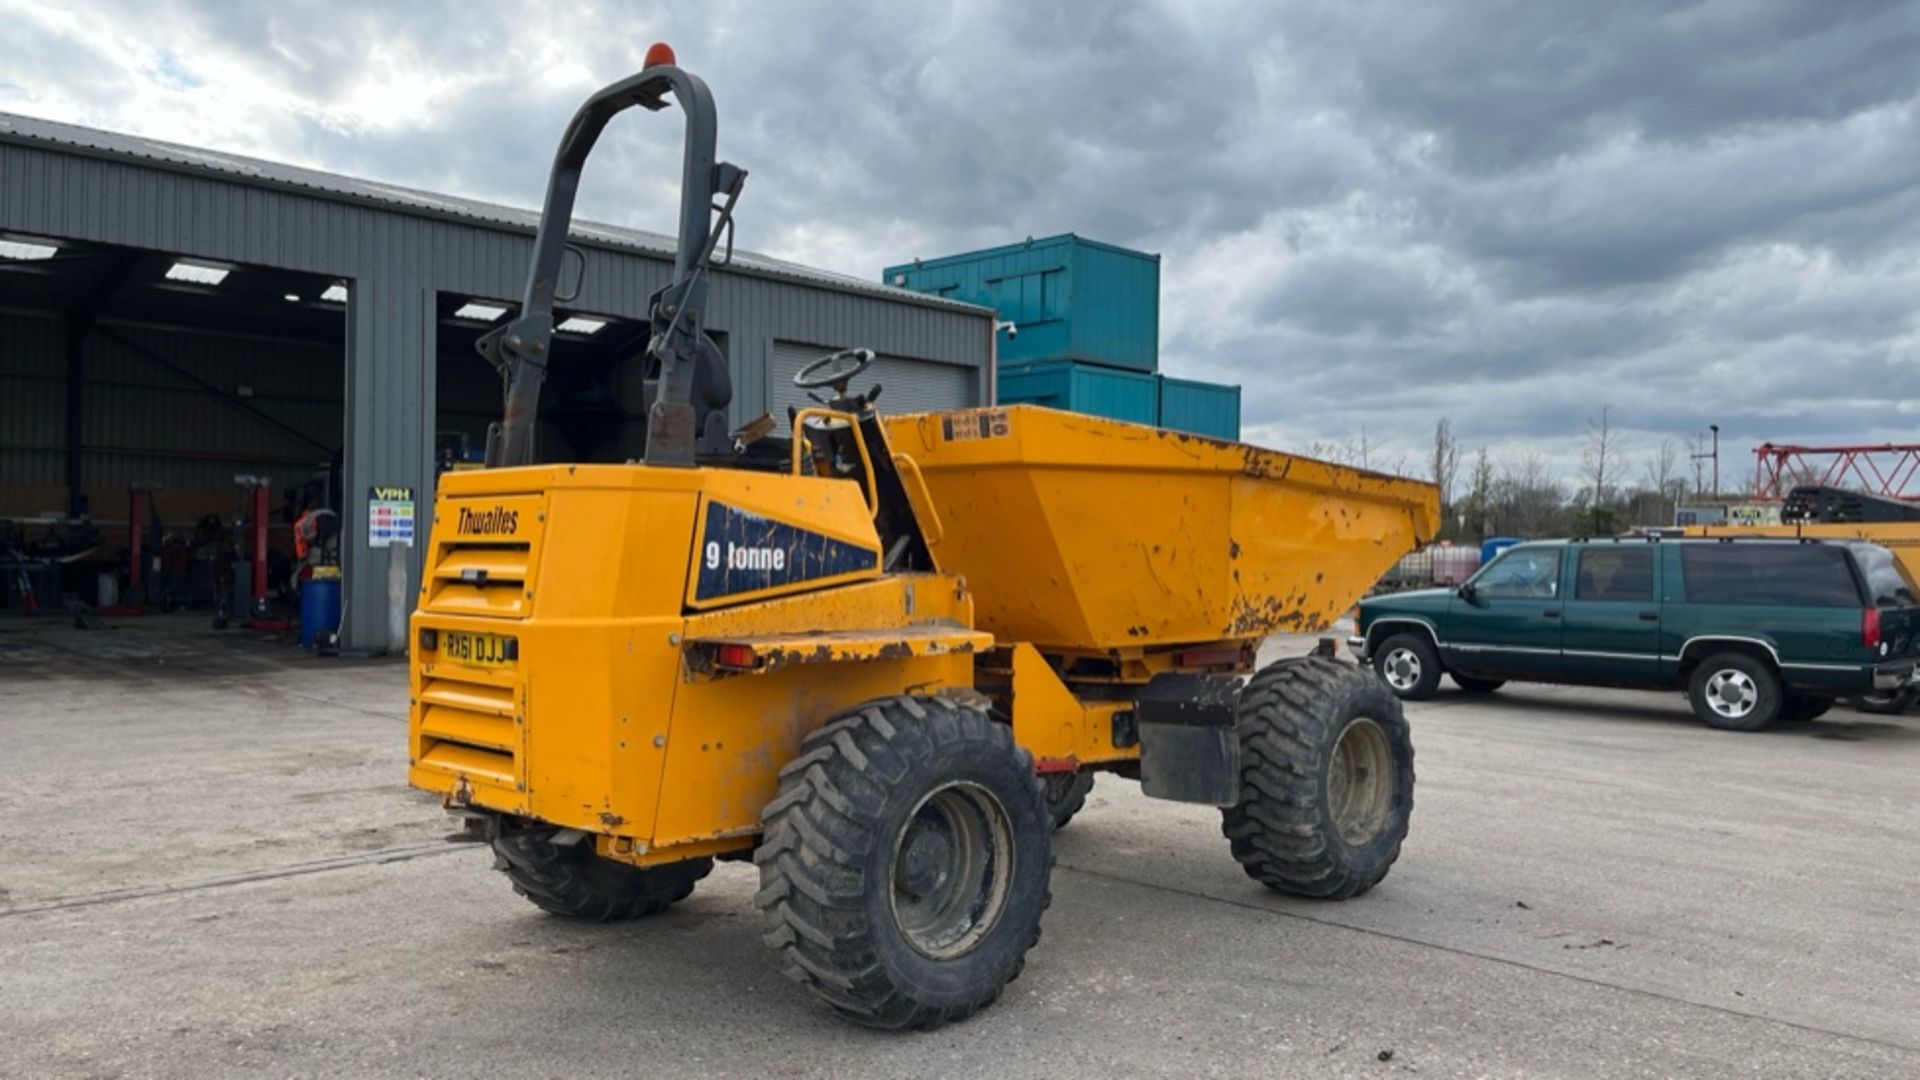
1753, 630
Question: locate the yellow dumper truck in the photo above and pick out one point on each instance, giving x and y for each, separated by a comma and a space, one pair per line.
882, 658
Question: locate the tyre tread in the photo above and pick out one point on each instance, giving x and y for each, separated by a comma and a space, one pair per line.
817, 831
1286, 715
573, 882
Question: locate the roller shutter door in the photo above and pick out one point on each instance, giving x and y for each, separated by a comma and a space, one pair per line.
906, 385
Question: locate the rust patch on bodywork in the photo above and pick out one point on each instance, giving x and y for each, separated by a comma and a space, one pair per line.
721, 657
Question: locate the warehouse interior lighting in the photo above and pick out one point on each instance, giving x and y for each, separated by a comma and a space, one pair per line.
20, 249
293, 298
197, 273
480, 312
580, 324
335, 294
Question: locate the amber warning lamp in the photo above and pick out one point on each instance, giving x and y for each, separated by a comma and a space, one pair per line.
660, 54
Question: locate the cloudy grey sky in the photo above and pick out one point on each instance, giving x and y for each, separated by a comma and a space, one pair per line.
1371, 214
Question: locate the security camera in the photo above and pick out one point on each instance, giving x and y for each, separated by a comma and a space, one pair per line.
1012, 328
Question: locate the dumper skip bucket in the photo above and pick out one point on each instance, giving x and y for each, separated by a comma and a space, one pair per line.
1080, 533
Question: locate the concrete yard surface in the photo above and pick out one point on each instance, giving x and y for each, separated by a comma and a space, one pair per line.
213, 867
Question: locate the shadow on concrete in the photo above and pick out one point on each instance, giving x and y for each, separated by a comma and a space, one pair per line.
173, 648
1841, 724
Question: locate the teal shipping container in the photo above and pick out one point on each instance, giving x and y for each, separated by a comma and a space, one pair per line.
1083, 388
1202, 408
1069, 298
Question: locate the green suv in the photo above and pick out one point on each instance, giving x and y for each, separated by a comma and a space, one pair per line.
1752, 629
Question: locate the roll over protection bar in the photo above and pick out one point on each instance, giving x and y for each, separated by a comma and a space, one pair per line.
678, 420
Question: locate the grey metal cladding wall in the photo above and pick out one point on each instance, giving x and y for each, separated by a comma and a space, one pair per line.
396, 261
32, 401
144, 423
144, 410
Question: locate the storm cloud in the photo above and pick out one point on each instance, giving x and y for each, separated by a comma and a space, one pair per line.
1371, 214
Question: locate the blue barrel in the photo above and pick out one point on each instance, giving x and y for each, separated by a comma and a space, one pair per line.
319, 605
1494, 545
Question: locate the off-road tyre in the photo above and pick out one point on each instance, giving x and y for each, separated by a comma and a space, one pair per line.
1067, 794
1409, 665
1800, 708
842, 848
571, 881
1286, 831
1469, 684
1885, 703
1705, 686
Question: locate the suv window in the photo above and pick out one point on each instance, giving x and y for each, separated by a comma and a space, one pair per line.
1887, 580
1806, 575
1615, 573
1520, 574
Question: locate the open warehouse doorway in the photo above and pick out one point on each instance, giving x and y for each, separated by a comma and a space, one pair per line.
593, 405
164, 421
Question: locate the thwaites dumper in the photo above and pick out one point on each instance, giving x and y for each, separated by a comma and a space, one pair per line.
883, 658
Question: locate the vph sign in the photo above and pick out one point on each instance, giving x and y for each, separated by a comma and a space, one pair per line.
389, 517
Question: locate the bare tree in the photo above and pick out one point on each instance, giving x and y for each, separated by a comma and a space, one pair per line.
1662, 475
1530, 501
1476, 514
1445, 463
1601, 456
1360, 451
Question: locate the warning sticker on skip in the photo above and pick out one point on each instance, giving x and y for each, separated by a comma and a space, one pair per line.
978, 424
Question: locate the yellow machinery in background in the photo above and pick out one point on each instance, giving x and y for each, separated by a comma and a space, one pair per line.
883, 658
1900, 537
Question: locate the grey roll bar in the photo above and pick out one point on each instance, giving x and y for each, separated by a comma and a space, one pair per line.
520, 348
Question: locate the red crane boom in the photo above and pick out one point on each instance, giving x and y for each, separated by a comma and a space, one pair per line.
1891, 470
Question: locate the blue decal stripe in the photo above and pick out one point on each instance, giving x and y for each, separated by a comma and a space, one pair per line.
744, 552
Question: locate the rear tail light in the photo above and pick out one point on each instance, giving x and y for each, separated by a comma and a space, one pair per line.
737, 656
1870, 627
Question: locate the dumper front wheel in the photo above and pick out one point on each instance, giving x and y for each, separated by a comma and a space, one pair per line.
568, 879
904, 864
1067, 795
1326, 779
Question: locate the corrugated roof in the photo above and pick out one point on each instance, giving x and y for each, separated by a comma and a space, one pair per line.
111, 144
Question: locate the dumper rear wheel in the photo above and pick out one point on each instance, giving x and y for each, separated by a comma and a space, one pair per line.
570, 880
1326, 775
1067, 794
904, 864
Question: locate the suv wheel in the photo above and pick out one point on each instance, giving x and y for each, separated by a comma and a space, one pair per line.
1735, 692
1409, 666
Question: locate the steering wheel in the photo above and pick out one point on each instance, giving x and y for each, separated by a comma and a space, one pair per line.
835, 370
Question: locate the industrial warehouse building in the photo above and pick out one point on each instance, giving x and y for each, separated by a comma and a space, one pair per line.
179, 317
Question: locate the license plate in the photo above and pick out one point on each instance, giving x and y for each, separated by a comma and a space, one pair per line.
480, 650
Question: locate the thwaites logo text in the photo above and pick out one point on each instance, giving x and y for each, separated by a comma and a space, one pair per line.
499, 521
742, 552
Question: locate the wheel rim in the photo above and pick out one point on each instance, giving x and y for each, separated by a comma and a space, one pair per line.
952, 870
1401, 668
1732, 693
1360, 782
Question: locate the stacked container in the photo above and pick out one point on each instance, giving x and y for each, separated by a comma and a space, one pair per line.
1086, 317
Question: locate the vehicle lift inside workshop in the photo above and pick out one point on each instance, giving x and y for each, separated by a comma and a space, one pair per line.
250, 524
